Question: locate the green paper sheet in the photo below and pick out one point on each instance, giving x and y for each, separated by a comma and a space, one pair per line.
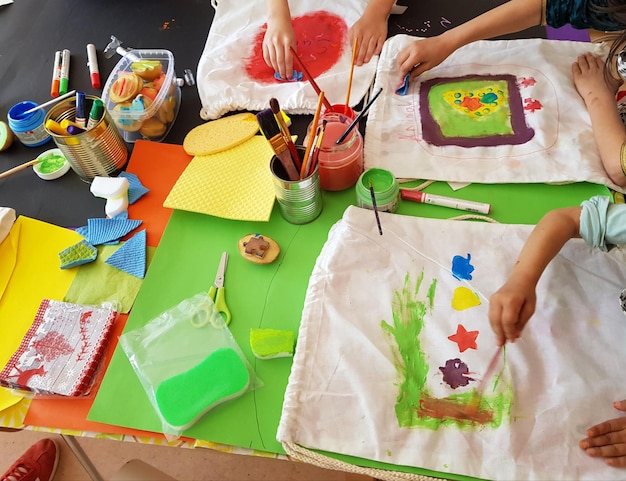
270, 296
97, 282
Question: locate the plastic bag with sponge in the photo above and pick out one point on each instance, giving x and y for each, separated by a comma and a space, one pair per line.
188, 362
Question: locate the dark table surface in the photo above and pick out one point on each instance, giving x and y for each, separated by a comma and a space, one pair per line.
32, 30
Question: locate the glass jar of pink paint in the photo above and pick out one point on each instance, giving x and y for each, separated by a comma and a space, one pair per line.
340, 109
339, 165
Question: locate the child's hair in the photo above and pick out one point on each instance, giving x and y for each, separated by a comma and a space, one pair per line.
616, 10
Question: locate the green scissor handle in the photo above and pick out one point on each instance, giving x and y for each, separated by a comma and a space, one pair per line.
220, 303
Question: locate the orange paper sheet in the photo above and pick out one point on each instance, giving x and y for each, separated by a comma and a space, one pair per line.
157, 166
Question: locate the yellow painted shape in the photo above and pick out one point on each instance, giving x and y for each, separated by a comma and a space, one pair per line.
464, 298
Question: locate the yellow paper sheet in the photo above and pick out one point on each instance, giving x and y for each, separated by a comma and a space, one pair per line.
233, 184
29, 272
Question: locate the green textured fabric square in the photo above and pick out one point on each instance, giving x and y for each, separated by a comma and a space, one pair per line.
80, 253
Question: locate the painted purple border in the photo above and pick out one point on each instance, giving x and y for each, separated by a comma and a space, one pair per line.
431, 132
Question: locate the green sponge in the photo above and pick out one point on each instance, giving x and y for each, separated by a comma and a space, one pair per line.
271, 343
184, 398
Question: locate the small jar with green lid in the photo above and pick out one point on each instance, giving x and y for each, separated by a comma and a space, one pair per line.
386, 190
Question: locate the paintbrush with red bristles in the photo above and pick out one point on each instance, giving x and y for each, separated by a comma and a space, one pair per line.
274, 136
472, 406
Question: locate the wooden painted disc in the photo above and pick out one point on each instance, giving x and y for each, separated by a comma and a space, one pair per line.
258, 248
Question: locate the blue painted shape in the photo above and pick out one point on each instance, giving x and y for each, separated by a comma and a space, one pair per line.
462, 268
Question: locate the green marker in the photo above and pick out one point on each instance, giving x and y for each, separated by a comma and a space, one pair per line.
65, 72
95, 114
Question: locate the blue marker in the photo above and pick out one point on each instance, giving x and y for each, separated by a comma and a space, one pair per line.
81, 117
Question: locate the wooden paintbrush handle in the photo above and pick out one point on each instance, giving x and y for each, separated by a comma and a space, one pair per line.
18, 168
310, 78
282, 153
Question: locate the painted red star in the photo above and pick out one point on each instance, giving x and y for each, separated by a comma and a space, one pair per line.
465, 339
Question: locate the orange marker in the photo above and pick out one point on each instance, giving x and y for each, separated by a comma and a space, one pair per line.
56, 75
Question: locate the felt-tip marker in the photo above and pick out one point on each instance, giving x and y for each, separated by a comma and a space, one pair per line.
56, 75
65, 72
92, 63
424, 198
95, 114
81, 115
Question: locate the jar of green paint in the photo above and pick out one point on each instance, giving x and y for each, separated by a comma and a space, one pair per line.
386, 190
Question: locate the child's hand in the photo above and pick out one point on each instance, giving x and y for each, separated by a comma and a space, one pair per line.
370, 32
278, 38
608, 439
422, 55
588, 74
510, 308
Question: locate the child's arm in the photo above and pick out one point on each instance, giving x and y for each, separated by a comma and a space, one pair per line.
279, 37
510, 17
514, 303
599, 97
371, 30
608, 439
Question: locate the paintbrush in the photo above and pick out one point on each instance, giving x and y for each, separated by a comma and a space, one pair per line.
380, 229
315, 154
47, 104
272, 133
275, 106
6, 173
472, 406
309, 145
310, 78
358, 118
356, 42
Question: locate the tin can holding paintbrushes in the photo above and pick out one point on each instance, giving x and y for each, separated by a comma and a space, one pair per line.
300, 201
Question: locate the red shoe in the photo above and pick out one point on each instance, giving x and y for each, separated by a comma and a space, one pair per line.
38, 463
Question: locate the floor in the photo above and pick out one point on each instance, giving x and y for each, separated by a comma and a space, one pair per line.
198, 464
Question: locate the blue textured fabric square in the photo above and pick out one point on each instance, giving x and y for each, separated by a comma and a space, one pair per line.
83, 230
102, 230
80, 253
136, 189
121, 215
131, 256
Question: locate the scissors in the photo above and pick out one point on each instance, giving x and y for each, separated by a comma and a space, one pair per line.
216, 292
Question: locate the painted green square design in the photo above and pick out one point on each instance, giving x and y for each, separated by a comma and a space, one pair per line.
473, 111
471, 108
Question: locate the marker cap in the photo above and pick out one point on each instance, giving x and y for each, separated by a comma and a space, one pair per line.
64, 85
95, 80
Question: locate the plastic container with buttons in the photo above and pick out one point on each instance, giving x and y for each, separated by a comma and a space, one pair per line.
143, 96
